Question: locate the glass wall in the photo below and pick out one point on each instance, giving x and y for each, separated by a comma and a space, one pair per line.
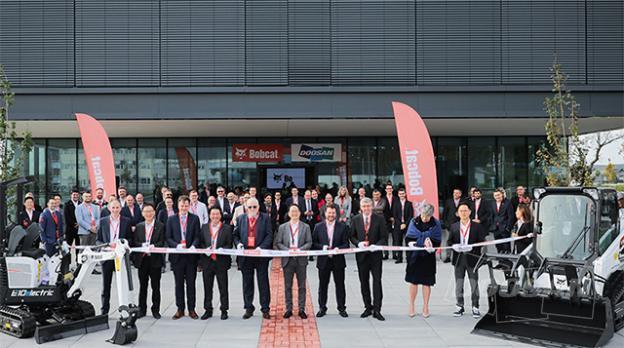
482, 163
146, 164
152, 166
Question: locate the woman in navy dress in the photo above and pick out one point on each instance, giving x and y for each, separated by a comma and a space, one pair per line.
423, 231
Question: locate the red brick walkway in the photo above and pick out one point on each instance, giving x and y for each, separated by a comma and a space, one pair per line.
292, 332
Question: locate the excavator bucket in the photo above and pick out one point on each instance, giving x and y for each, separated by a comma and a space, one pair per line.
541, 319
126, 330
54, 332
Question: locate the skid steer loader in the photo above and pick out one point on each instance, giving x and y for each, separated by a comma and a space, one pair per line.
567, 287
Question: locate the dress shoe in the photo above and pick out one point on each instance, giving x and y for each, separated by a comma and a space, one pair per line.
178, 315
343, 314
303, 315
321, 313
366, 313
378, 316
207, 314
193, 315
385, 257
95, 271
248, 314
266, 315
398, 261
224, 315
156, 315
288, 314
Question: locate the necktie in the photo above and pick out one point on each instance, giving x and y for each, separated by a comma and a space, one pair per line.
366, 227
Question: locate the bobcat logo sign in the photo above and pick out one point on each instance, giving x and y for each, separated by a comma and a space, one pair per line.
257, 152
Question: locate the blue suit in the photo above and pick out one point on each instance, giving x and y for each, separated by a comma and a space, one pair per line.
184, 266
49, 230
264, 240
83, 218
103, 237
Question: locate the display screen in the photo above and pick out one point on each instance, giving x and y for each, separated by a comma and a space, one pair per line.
279, 178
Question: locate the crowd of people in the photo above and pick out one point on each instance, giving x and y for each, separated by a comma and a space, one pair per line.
312, 221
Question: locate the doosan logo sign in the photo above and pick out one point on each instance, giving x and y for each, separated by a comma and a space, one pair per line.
316, 152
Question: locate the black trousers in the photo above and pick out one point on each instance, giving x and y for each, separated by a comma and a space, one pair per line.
397, 240
261, 267
339, 283
185, 273
72, 236
149, 273
503, 248
209, 274
370, 264
108, 268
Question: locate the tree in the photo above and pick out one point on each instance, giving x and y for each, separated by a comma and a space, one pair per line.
565, 158
14, 147
610, 174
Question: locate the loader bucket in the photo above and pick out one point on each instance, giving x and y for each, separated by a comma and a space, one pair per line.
548, 321
124, 334
54, 332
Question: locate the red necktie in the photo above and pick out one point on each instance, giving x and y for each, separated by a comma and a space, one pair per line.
58, 231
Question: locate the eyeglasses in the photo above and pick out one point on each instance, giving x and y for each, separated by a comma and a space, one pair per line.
252, 207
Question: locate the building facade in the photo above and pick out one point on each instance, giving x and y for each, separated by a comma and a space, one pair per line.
173, 80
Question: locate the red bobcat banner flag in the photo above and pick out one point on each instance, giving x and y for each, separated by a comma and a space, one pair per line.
98, 153
188, 173
419, 169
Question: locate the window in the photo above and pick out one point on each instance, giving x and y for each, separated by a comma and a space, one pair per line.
124, 153
512, 162
389, 161
61, 166
152, 167
482, 164
243, 174
181, 166
362, 163
451, 165
536, 175
212, 162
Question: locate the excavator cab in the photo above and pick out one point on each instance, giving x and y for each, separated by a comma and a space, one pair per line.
565, 289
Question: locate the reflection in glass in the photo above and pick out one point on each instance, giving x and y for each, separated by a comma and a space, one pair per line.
241, 174
450, 162
152, 167
212, 162
512, 162
389, 159
482, 164
61, 166
362, 163
182, 168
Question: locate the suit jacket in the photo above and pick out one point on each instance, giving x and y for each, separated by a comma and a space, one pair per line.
203, 196
103, 233
450, 210
485, 214
49, 228
377, 234
340, 240
408, 214
224, 240
25, 221
289, 202
83, 217
380, 208
304, 242
389, 208
477, 234
174, 235
69, 213
163, 216
157, 239
280, 211
355, 206
315, 211
134, 219
524, 230
264, 234
502, 219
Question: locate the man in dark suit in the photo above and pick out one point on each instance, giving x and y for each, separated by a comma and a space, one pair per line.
331, 234
361, 194
214, 235
29, 215
280, 207
369, 229
182, 233
112, 228
293, 199
132, 211
402, 213
310, 209
150, 232
449, 218
464, 258
502, 220
69, 213
51, 224
229, 205
480, 208
253, 231
205, 193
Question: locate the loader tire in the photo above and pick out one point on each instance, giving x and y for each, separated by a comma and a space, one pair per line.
617, 298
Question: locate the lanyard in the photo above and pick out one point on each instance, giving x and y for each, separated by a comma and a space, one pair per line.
148, 232
91, 214
214, 234
465, 232
293, 234
114, 227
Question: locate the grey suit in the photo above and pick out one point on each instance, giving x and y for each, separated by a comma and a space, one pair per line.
294, 265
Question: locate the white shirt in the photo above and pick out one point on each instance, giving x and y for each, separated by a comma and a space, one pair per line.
221, 201
199, 208
462, 228
477, 205
330, 232
115, 226
293, 228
